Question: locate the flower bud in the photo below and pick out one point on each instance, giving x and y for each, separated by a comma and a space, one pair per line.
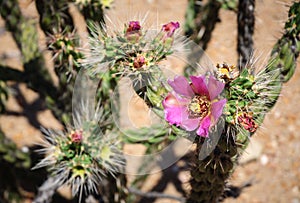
168, 30
76, 136
133, 31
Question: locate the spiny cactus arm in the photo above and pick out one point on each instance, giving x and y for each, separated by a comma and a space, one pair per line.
3, 95
286, 50
54, 16
25, 34
283, 60
241, 139
209, 176
57, 24
6, 74
206, 17
92, 11
245, 21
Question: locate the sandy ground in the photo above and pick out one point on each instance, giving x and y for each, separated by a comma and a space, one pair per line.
276, 167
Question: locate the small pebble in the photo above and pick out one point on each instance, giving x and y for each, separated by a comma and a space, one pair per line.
264, 159
295, 190
25, 149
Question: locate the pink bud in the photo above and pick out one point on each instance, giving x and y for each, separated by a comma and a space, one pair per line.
133, 31
169, 29
76, 136
133, 26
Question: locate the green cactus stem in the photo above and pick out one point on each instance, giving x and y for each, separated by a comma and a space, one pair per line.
201, 20
35, 73
3, 95
229, 4
57, 24
245, 21
54, 16
209, 176
283, 60
93, 12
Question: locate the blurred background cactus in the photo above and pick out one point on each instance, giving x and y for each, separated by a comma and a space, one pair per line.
50, 65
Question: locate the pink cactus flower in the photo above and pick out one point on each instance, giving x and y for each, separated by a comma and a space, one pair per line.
194, 106
169, 29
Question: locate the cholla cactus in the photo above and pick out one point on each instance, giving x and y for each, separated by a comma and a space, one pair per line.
247, 98
66, 54
133, 51
250, 94
221, 109
83, 156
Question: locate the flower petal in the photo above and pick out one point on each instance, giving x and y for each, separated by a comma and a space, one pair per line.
174, 108
217, 109
173, 100
199, 85
215, 87
190, 124
181, 86
204, 127
174, 115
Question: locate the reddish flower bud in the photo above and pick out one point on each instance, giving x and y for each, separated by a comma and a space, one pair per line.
133, 26
133, 31
76, 136
169, 29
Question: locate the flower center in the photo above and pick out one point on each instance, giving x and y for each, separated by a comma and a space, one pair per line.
199, 106
139, 61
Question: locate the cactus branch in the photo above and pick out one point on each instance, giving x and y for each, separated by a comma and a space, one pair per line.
209, 176
205, 19
93, 12
57, 24
245, 20
283, 60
